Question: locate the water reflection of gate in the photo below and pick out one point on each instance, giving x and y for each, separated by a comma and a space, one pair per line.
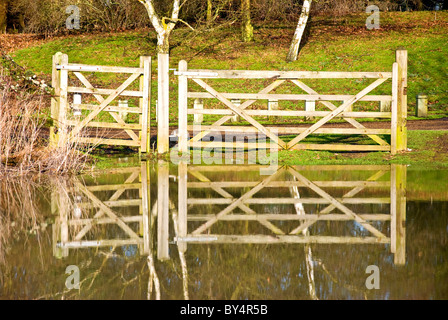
336, 208
82, 209
286, 208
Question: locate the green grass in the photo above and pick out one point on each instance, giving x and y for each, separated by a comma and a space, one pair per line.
335, 44
426, 149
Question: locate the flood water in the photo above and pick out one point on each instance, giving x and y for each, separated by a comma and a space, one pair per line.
160, 231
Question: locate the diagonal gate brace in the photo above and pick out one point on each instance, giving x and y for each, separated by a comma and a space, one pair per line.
334, 113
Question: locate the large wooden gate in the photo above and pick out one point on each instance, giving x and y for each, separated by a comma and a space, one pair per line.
68, 119
397, 99
336, 201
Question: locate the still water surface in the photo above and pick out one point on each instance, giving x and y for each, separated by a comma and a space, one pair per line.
159, 231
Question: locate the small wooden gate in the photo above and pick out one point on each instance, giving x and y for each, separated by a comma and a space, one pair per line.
67, 126
397, 114
81, 209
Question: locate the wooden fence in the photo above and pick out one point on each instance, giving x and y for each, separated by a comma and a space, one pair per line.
397, 114
68, 120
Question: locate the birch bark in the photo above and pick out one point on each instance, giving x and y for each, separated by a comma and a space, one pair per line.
298, 34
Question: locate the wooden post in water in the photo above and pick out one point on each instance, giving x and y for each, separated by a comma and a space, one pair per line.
60, 227
385, 106
183, 106
57, 252
236, 102
310, 106
146, 201
198, 105
163, 103
398, 213
163, 210
272, 105
182, 218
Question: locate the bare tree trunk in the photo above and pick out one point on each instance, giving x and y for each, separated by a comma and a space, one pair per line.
213, 10
301, 25
247, 31
3, 13
163, 28
209, 12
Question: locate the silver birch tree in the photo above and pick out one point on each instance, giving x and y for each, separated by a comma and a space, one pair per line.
163, 26
298, 34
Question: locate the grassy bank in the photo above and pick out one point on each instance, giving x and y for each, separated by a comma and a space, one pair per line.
426, 149
334, 44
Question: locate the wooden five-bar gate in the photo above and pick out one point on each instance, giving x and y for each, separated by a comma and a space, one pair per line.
397, 99
72, 118
66, 111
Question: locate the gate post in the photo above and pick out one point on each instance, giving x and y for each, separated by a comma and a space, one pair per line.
63, 101
163, 134
55, 101
59, 102
402, 99
183, 106
145, 103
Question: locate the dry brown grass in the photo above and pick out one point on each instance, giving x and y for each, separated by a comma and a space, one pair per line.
22, 147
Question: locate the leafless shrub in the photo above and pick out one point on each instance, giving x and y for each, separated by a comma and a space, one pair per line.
49, 16
346, 7
23, 146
